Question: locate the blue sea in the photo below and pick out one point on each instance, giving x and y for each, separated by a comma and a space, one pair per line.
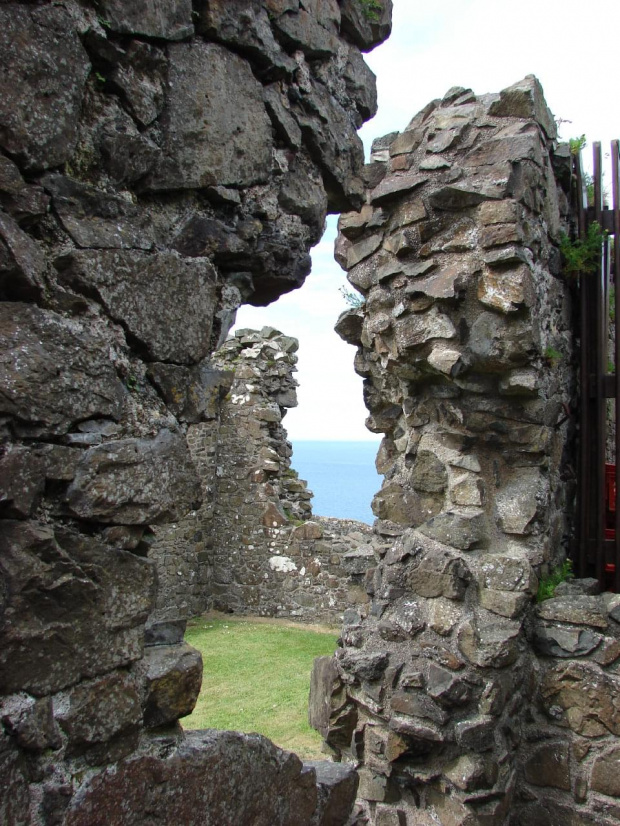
341, 475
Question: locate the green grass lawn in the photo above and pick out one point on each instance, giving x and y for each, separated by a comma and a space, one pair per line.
257, 678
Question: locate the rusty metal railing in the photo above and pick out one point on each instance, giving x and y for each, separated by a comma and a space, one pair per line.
598, 511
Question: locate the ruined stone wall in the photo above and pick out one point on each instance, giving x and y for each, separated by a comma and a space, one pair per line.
160, 163
460, 700
260, 549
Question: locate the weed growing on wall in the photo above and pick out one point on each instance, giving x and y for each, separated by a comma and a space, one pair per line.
371, 9
548, 584
354, 300
582, 255
577, 144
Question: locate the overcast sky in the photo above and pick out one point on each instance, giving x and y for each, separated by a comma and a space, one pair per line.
485, 45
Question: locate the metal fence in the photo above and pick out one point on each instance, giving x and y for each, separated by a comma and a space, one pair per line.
598, 512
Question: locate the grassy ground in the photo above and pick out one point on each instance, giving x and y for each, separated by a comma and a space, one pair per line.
257, 677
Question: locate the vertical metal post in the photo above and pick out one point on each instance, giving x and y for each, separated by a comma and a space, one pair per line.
615, 186
600, 368
585, 467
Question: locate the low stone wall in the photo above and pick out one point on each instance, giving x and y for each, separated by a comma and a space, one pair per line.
569, 761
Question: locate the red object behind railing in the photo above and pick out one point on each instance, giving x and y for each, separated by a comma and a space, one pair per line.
610, 518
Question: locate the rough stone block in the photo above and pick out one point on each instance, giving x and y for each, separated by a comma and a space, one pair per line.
41, 87
135, 287
135, 481
490, 644
525, 99
439, 573
173, 680
579, 610
256, 783
207, 142
337, 785
43, 399
77, 607
589, 698
606, 772
549, 765
152, 18
98, 710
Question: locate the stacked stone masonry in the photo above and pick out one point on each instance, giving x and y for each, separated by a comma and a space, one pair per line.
160, 163
459, 698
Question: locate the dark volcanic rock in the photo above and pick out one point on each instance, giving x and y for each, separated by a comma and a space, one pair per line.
153, 18
43, 68
257, 784
53, 371
173, 679
366, 28
135, 288
140, 76
98, 710
246, 27
192, 393
22, 262
208, 142
337, 785
135, 481
76, 607
94, 218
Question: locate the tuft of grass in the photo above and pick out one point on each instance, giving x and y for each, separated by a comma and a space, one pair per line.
257, 678
577, 144
354, 300
552, 356
371, 9
583, 255
548, 584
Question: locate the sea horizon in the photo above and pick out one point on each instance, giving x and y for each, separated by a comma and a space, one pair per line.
341, 474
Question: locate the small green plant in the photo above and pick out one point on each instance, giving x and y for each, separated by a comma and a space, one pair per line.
548, 584
354, 300
552, 356
582, 255
132, 384
103, 22
577, 144
371, 9
292, 519
99, 78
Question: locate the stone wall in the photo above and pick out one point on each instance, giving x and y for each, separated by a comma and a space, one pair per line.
160, 163
461, 701
254, 546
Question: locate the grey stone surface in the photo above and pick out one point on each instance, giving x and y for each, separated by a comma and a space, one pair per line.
256, 780
153, 18
134, 288
42, 84
133, 481
207, 142
54, 371
173, 679
160, 164
459, 312
78, 607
